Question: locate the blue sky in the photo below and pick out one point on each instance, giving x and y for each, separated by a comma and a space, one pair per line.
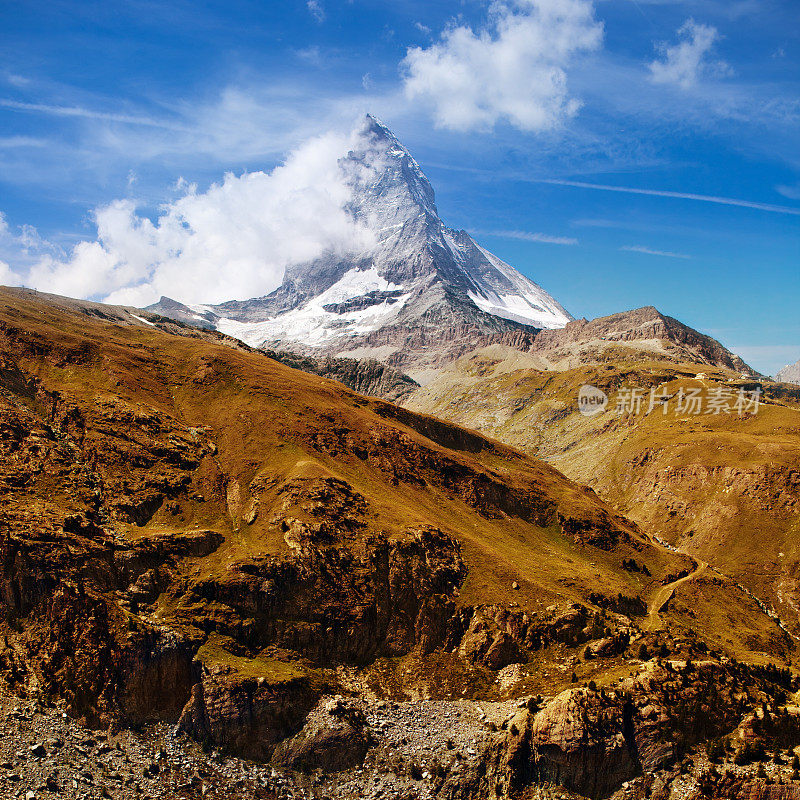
519, 113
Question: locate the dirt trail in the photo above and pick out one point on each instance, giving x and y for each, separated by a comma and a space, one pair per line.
666, 593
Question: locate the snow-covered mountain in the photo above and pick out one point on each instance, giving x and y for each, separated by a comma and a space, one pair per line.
420, 295
790, 373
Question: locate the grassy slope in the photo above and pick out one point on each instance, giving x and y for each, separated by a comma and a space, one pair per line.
270, 423
725, 489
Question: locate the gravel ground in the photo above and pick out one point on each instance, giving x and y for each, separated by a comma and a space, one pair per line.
44, 753
418, 747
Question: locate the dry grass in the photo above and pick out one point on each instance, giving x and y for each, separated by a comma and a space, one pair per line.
723, 488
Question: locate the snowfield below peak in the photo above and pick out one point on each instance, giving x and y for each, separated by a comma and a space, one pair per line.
518, 308
315, 324
523, 301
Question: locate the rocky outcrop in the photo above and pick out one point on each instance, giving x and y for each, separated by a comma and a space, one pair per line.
365, 376
341, 599
496, 636
769, 488
645, 323
596, 532
334, 737
245, 715
591, 741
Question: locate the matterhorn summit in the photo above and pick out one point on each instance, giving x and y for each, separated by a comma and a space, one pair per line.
418, 295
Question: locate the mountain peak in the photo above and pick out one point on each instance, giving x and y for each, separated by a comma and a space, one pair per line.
419, 295
635, 327
395, 181
790, 373
374, 125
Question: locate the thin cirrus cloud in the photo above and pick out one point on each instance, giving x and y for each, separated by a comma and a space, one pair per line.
316, 10
8, 142
87, 113
725, 201
685, 63
792, 192
528, 236
513, 69
649, 251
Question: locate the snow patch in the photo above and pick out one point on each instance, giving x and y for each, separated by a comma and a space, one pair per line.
312, 325
524, 301
518, 308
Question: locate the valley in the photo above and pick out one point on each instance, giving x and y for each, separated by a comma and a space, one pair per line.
722, 487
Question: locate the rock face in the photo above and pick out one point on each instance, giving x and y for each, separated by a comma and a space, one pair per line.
592, 741
248, 716
423, 294
339, 601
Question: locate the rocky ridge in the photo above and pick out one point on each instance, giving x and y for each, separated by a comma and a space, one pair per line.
646, 331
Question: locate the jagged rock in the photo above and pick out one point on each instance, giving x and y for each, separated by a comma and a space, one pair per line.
334, 740
486, 643
247, 716
591, 741
337, 600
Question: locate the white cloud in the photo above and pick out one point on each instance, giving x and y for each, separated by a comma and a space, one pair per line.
513, 69
316, 9
7, 276
684, 63
637, 248
7, 142
23, 247
233, 241
792, 192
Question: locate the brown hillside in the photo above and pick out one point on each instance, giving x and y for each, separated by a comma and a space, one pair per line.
725, 488
170, 501
191, 531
